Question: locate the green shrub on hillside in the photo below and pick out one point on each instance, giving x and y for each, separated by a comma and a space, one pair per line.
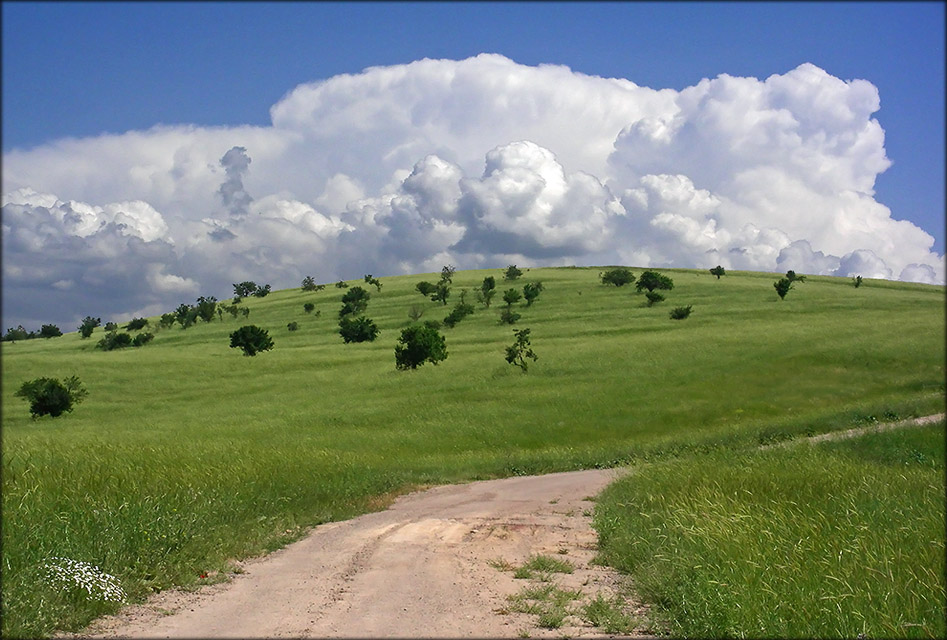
512, 273
618, 277
679, 313
359, 329
419, 344
782, 286
652, 280
518, 352
88, 325
718, 271
49, 396
251, 339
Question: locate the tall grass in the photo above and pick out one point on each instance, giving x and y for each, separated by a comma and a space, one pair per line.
187, 455
834, 540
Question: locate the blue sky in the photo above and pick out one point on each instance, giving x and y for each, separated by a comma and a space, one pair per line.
79, 70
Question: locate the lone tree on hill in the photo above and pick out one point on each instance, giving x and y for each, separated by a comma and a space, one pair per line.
520, 350
419, 344
88, 326
447, 273
206, 308
792, 277
618, 277
782, 286
511, 296
251, 339
531, 291
441, 292
50, 397
512, 273
652, 280
718, 271
309, 284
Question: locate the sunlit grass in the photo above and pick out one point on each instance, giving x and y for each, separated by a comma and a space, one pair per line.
187, 455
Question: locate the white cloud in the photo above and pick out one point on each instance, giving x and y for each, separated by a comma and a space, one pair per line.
477, 162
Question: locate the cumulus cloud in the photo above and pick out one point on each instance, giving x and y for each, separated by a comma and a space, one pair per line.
475, 162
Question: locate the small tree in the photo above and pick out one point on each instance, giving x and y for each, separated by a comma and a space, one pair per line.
88, 326
49, 396
460, 311
341, 285
508, 316
425, 288
262, 292
512, 273
354, 302
792, 277
447, 273
360, 329
293, 326
415, 312
618, 277
309, 284
206, 308
857, 281
142, 339
49, 331
114, 340
518, 353
308, 307
167, 320
531, 291
486, 291
244, 289
12, 335
111, 326
511, 297
654, 297
251, 339
419, 344
373, 281
782, 286
441, 292
652, 280
718, 271
679, 313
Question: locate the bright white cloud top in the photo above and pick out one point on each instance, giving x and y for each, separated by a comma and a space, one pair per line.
479, 163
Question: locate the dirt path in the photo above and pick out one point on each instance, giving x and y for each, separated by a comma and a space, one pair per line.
421, 568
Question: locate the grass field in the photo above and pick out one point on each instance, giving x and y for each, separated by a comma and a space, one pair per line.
187, 455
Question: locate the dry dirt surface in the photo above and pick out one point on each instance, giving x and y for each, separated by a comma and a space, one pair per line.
428, 566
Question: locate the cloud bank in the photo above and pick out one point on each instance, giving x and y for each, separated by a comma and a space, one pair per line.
478, 162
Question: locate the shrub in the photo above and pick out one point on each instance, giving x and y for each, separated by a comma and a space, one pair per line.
167, 320
114, 340
460, 311
653, 297
136, 324
360, 329
244, 289
512, 273
518, 353
487, 290
447, 274
341, 285
19, 333
111, 326
425, 288
48, 396
718, 271
511, 296
88, 325
792, 277
251, 339
415, 312
652, 280
206, 308
679, 313
531, 291
857, 281
142, 339
618, 277
373, 281
262, 292
782, 286
354, 302
419, 344
508, 316
49, 331
308, 307
441, 292
309, 284
293, 326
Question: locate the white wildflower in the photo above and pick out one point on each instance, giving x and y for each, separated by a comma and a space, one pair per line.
67, 573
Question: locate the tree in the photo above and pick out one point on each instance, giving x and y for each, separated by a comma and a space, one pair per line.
88, 326
341, 285
441, 293
652, 280
19, 333
679, 313
168, 319
508, 316
415, 312
461, 310
512, 273
293, 326
419, 344
262, 292
792, 277
309, 284
360, 329
782, 286
486, 291
354, 302
49, 331
244, 289
511, 296
654, 297
206, 308
142, 339
111, 326
425, 288
718, 271
531, 291
49, 396
618, 277
518, 353
373, 281
857, 281
308, 307
114, 340
251, 339
447, 273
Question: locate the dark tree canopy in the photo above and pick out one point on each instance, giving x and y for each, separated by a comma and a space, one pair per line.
419, 344
619, 276
718, 271
244, 289
49, 331
251, 339
88, 326
792, 277
354, 302
359, 329
652, 280
782, 286
679, 313
531, 291
309, 284
511, 296
512, 273
518, 353
49, 396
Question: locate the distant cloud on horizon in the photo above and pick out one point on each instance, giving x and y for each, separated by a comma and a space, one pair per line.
479, 163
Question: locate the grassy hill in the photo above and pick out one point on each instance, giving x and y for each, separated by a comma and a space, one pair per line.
186, 454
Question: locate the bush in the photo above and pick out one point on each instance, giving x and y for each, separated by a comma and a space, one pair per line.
111, 326
425, 288
618, 277
341, 285
652, 280
679, 313
792, 277
244, 289
167, 320
520, 350
136, 324
508, 316
360, 329
308, 307
373, 281
262, 292
19, 333
49, 331
511, 296
88, 325
419, 344
460, 311
782, 286
486, 291
531, 291
447, 274
512, 273
293, 326
654, 297
354, 302
718, 271
857, 281
309, 284
251, 339
48, 396
114, 340
142, 339
206, 308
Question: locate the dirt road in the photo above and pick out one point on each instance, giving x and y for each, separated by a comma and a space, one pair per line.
425, 567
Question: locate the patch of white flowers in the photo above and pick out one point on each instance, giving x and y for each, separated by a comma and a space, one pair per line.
67, 573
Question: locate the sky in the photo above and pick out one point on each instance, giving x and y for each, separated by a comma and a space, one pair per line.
157, 152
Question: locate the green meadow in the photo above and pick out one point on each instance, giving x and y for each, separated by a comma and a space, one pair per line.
187, 455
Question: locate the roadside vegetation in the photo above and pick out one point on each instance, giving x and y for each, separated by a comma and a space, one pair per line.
185, 455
